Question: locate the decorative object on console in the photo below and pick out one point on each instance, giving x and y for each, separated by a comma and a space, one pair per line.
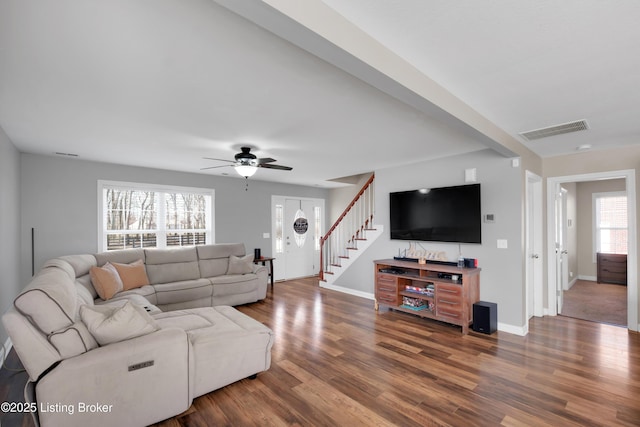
471, 263
428, 255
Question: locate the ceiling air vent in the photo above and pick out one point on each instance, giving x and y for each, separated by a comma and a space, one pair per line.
576, 126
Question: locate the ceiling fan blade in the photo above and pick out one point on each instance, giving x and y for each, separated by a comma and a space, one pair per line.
220, 160
266, 160
278, 167
215, 167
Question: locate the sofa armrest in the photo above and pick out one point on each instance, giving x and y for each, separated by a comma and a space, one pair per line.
133, 382
260, 270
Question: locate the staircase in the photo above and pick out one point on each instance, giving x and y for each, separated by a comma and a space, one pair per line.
349, 236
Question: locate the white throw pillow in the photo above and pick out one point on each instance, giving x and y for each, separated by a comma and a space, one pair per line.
239, 265
114, 324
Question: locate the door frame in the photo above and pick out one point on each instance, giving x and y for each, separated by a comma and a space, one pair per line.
632, 259
280, 257
534, 246
561, 258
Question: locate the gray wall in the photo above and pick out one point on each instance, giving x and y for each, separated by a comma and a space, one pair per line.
501, 279
9, 225
340, 198
60, 201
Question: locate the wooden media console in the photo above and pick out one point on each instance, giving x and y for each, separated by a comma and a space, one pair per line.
441, 292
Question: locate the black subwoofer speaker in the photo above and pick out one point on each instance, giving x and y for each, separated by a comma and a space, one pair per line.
485, 317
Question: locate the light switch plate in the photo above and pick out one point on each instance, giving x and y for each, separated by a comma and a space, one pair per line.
502, 244
266, 235
470, 175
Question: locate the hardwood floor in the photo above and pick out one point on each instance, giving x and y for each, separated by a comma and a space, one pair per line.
337, 362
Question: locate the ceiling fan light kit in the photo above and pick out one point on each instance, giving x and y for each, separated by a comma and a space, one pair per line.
246, 170
246, 163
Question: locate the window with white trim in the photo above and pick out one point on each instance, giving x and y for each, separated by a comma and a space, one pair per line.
279, 234
137, 215
610, 222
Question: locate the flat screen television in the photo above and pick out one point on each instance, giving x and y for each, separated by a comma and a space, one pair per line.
447, 214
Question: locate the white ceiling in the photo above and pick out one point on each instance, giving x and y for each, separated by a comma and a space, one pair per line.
164, 83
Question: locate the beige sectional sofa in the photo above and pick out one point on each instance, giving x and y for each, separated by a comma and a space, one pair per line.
143, 355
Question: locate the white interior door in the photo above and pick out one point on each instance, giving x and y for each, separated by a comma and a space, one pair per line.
299, 233
534, 246
562, 268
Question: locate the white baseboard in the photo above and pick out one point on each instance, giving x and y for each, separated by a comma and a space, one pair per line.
349, 291
589, 278
516, 330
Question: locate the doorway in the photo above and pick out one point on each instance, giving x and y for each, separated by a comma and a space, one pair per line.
556, 277
297, 226
534, 246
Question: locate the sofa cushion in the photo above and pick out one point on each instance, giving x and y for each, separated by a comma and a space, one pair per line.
122, 256
81, 264
214, 259
240, 265
236, 344
187, 320
110, 324
172, 265
148, 292
133, 275
186, 290
234, 284
106, 281
50, 302
122, 299
85, 289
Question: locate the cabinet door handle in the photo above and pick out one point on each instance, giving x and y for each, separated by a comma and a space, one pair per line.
444, 301
448, 291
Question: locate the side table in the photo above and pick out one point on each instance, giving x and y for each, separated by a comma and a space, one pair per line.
263, 260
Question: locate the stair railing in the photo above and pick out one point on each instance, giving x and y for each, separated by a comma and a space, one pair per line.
349, 228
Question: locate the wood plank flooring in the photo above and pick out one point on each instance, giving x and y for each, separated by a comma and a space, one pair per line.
337, 362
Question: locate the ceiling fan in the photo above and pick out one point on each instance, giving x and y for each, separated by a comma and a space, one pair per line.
246, 163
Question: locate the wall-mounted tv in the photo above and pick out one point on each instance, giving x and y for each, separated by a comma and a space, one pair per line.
447, 214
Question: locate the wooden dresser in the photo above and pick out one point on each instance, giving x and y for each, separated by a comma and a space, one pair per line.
612, 268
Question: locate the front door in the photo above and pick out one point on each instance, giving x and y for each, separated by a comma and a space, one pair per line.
297, 228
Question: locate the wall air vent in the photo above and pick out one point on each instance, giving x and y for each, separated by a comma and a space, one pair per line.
576, 126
